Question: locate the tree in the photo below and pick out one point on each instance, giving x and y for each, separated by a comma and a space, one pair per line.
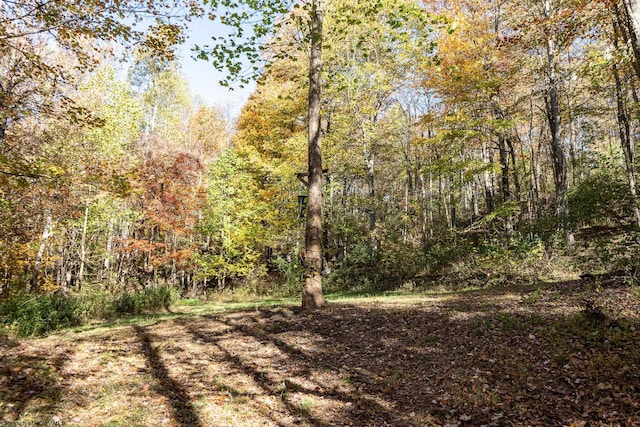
630, 15
281, 26
36, 38
312, 296
233, 221
275, 17
164, 93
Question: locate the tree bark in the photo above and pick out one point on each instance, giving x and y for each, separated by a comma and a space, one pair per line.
514, 168
488, 185
371, 193
624, 129
312, 296
631, 19
504, 169
108, 255
552, 102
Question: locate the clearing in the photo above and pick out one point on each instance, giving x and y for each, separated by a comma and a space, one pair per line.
554, 354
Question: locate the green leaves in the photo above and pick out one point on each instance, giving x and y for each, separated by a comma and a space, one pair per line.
251, 25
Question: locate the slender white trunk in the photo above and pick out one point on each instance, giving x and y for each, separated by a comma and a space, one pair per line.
83, 247
47, 232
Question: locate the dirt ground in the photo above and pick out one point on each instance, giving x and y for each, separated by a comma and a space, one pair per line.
564, 354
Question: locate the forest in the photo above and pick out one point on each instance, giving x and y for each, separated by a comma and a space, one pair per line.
427, 149
484, 140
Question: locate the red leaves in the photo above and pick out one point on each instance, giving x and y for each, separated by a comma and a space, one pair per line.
170, 192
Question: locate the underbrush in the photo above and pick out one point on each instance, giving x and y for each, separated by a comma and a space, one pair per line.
27, 314
453, 261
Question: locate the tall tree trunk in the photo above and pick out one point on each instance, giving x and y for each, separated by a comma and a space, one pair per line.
514, 168
534, 199
552, 102
624, 129
371, 193
107, 258
452, 204
504, 169
474, 200
505, 184
488, 185
430, 205
631, 19
312, 296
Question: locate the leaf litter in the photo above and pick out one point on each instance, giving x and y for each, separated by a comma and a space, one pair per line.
559, 354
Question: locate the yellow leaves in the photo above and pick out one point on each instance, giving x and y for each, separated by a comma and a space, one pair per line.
453, 26
55, 170
466, 54
16, 256
47, 285
162, 38
269, 192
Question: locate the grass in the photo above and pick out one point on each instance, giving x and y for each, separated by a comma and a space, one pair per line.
29, 315
305, 407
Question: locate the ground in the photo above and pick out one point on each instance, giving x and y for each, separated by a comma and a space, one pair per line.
538, 355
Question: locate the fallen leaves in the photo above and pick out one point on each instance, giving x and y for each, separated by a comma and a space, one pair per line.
487, 358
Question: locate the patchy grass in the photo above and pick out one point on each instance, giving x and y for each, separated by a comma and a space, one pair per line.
552, 354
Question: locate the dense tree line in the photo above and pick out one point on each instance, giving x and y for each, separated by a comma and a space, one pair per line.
473, 135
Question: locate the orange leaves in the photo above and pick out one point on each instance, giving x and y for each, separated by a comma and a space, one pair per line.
159, 254
170, 190
131, 245
467, 59
183, 258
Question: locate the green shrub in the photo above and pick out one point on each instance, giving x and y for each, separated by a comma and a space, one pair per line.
29, 315
149, 300
128, 303
291, 275
600, 197
381, 269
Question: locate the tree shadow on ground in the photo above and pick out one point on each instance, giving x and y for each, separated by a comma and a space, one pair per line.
495, 357
173, 390
29, 381
456, 361
279, 386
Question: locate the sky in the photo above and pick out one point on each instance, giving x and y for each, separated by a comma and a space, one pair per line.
203, 78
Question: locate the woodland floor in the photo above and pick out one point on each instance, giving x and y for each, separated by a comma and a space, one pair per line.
523, 356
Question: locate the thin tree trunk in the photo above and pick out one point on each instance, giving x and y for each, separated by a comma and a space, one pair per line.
430, 205
452, 204
107, 259
312, 296
537, 173
624, 129
83, 247
371, 193
631, 19
504, 169
488, 187
474, 200
514, 168
46, 233
533, 176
